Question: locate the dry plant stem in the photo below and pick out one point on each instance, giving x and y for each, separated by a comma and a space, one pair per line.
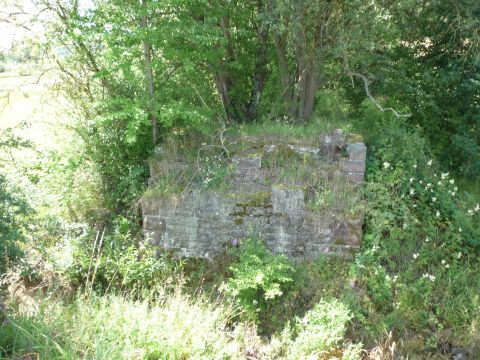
91, 259
97, 264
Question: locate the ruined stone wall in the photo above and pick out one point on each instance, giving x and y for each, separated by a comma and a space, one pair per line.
202, 223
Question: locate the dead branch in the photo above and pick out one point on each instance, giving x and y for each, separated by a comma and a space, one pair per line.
366, 84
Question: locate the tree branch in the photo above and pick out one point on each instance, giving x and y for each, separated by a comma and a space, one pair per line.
366, 84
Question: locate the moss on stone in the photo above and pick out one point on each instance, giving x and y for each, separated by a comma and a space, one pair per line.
289, 186
354, 138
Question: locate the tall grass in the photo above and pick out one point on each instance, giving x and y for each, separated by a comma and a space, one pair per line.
174, 326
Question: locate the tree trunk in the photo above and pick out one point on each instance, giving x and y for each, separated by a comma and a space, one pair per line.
222, 84
261, 71
286, 83
147, 55
311, 88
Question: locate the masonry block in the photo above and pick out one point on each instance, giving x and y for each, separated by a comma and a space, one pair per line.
357, 151
288, 200
352, 166
356, 178
247, 162
151, 222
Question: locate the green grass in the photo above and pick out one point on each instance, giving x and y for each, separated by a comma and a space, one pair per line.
27, 100
173, 326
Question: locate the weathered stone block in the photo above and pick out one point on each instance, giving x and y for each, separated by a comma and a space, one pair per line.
334, 140
352, 166
153, 237
288, 200
357, 151
151, 222
356, 178
247, 162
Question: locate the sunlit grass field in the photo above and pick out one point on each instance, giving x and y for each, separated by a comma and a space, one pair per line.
29, 106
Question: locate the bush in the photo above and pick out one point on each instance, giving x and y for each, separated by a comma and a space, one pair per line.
420, 241
113, 261
13, 210
322, 331
259, 278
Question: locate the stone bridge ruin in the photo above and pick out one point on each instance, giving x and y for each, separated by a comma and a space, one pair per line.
303, 201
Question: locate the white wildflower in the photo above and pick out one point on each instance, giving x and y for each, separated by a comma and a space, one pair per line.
427, 239
411, 180
414, 166
470, 212
77, 32
451, 181
429, 277
386, 165
108, 27
439, 183
459, 255
429, 185
460, 229
444, 175
405, 226
447, 266
476, 208
415, 255
455, 188
437, 214
412, 191
429, 163
434, 199
443, 262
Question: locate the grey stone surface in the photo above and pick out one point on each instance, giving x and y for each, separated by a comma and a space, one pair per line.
202, 223
247, 162
357, 151
288, 200
352, 166
356, 178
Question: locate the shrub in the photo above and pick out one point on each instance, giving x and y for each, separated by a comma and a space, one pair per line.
259, 278
13, 210
420, 241
322, 330
114, 261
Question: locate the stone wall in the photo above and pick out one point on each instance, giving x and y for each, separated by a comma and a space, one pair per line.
202, 223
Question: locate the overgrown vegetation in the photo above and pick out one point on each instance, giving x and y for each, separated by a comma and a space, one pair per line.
193, 82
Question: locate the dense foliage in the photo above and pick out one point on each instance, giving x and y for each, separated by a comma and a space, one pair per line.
192, 77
